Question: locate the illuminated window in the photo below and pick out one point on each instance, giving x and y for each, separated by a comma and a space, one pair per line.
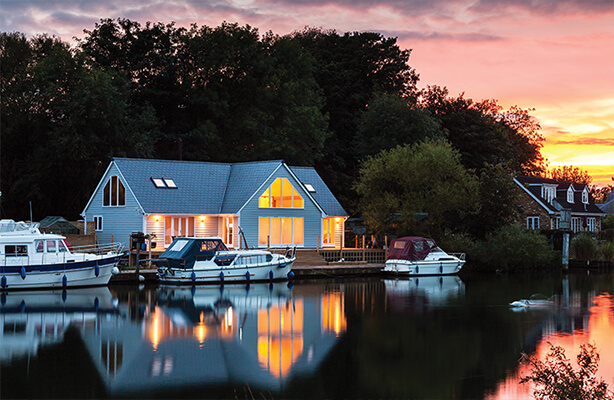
329, 227
114, 194
281, 194
280, 231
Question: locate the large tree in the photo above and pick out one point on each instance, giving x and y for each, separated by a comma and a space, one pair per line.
484, 133
352, 68
427, 177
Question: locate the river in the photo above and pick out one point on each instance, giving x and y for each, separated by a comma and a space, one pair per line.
426, 338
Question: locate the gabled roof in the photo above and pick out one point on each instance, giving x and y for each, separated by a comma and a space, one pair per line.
532, 185
211, 188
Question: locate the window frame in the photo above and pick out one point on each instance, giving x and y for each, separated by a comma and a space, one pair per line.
533, 222
268, 192
98, 223
114, 193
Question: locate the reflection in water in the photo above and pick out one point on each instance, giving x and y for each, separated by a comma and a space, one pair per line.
208, 335
574, 320
415, 338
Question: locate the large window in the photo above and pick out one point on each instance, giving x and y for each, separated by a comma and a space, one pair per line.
576, 224
591, 224
280, 231
177, 226
114, 193
329, 227
281, 194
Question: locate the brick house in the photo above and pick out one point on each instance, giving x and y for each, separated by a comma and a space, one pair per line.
544, 198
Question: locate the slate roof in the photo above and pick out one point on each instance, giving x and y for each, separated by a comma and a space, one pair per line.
533, 185
211, 188
608, 206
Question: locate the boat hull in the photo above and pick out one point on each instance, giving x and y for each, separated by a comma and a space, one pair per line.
96, 272
423, 268
224, 274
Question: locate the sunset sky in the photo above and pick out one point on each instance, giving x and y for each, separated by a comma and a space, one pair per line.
556, 56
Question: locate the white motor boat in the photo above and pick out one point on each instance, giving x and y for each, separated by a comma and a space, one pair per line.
417, 256
190, 260
30, 259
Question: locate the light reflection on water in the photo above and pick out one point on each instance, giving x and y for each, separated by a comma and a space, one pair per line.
433, 337
569, 326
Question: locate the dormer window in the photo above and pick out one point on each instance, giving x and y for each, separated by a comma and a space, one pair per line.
585, 196
548, 193
570, 194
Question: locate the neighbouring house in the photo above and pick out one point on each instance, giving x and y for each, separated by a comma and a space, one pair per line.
275, 205
544, 198
608, 206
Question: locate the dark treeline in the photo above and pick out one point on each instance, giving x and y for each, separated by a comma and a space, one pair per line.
225, 94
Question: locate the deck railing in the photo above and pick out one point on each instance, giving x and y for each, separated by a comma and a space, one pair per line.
370, 256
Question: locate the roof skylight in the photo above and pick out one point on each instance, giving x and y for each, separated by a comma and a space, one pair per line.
310, 188
164, 183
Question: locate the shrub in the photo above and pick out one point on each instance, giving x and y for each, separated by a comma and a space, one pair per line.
607, 250
584, 247
556, 379
514, 248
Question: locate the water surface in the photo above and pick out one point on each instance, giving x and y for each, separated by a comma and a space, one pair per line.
433, 337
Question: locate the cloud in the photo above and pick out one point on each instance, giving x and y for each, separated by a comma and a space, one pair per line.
585, 141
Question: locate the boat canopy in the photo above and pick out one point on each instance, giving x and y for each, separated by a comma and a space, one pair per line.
186, 251
411, 248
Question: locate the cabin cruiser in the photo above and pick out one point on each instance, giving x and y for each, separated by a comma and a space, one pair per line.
191, 260
417, 256
30, 259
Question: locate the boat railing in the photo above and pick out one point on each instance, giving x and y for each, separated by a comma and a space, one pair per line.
98, 249
460, 256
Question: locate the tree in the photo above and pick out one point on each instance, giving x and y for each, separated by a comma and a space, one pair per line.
426, 177
556, 378
484, 133
390, 121
350, 69
569, 173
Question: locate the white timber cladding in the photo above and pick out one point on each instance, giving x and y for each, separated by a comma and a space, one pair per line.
252, 212
119, 221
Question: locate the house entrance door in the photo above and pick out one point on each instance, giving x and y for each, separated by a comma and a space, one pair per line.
228, 231
177, 226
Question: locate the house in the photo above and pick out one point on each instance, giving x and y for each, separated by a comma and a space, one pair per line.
274, 204
608, 206
544, 198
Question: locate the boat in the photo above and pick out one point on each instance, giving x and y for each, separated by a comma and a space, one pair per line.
417, 256
192, 260
30, 259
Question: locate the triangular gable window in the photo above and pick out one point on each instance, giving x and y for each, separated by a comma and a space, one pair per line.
281, 194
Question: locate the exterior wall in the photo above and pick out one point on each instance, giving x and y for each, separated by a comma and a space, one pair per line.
312, 217
118, 222
530, 208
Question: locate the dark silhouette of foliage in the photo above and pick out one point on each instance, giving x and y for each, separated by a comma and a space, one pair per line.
556, 379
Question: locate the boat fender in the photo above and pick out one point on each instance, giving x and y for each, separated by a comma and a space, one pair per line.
222, 276
193, 276
271, 275
3, 281
290, 275
115, 271
22, 272
417, 269
64, 281
282, 265
247, 275
96, 270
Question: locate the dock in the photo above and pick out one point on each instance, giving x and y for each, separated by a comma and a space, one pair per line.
330, 270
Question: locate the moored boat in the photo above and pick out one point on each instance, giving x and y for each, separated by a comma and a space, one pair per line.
30, 259
417, 256
191, 260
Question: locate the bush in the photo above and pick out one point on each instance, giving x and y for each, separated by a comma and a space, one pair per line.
584, 247
514, 248
607, 250
556, 379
